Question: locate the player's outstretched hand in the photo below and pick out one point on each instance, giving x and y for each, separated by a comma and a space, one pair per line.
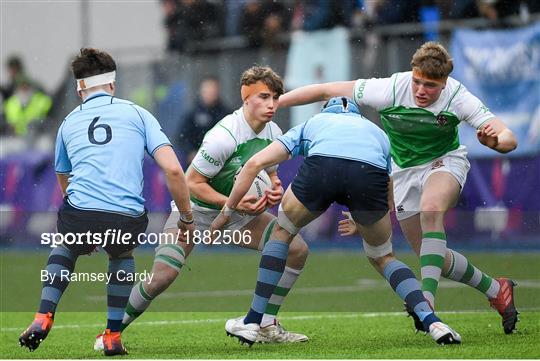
487, 136
347, 226
250, 205
275, 194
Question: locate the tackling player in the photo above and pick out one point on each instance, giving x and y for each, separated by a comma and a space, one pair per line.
420, 111
341, 167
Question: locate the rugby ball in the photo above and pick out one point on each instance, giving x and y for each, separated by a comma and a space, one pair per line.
261, 183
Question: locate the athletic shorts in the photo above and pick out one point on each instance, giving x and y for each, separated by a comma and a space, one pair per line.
409, 182
203, 218
79, 221
361, 187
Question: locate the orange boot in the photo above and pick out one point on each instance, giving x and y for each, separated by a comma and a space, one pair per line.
37, 331
504, 304
112, 343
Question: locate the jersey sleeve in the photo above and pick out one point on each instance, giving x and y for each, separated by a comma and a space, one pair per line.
470, 109
294, 141
153, 134
377, 93
217, 146
389, 163
62, 164
387, 154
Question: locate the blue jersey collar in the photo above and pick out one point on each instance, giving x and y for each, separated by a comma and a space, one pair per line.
96, 95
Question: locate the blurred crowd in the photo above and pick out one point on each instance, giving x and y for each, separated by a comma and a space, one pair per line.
25, 109
190, 21
27, 112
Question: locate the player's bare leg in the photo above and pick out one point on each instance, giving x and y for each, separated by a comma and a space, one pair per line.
457, 267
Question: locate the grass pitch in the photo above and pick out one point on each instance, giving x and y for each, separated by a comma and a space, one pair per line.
340, 302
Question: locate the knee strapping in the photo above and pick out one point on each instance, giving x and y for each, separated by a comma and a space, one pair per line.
286, 223
171, 255
380, 250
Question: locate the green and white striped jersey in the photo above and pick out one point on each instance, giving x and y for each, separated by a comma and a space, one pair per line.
226, 148
419, 135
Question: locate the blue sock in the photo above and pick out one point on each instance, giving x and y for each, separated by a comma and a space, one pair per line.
118, 290
405, 284
274, 256
60, 264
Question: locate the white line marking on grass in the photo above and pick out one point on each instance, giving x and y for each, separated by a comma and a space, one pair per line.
283, 318
362, 284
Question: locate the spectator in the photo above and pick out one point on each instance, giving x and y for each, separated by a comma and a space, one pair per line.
464, 9
191, 21
396, 11
26, 106
533, 6
311, 15
208, 110
496, 10
273, 17
15, 68
233, 11
3, 124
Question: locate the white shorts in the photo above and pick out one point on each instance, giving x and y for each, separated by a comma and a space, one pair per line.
409, 182
203, 218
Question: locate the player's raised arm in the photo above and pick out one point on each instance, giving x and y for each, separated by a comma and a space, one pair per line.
497, 136
490, 130
316, 92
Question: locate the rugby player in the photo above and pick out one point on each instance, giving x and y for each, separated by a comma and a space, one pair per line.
100, 149
420, 110
225, 149
347, 160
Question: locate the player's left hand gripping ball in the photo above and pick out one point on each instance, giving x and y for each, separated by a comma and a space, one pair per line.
275, 194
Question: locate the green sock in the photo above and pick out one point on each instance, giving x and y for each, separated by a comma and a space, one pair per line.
461, 270
432, 253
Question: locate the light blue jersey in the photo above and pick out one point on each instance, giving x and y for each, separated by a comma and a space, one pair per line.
340, 135
101, 145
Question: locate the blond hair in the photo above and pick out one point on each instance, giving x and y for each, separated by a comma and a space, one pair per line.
433, 60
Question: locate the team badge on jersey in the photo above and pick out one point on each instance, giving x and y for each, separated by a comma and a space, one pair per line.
442, 120
437, 164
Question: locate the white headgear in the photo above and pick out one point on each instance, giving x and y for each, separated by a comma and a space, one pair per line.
96, 80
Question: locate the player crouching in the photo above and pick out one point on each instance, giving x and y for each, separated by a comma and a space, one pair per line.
352, 155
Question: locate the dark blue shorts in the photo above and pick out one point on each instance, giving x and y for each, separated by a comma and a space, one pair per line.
361, 187
78, 221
